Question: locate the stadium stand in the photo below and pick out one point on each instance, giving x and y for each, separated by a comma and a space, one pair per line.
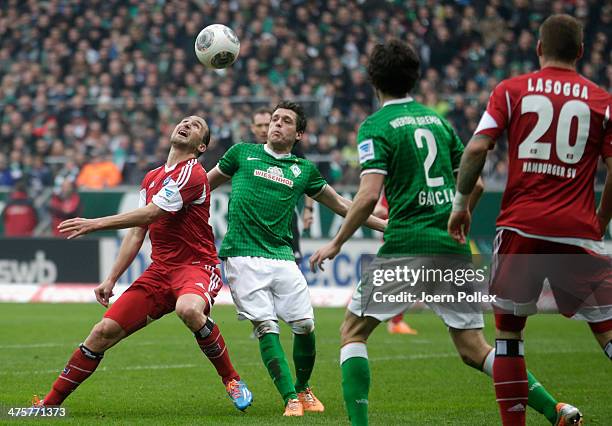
82, 77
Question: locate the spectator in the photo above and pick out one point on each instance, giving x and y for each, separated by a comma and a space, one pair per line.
19, 215
92, 84
39, 176
64, 205
5, 174
100, 172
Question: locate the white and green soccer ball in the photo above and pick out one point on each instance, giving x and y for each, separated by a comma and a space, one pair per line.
217, 46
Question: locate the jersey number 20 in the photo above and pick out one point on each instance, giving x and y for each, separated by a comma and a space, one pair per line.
534, 148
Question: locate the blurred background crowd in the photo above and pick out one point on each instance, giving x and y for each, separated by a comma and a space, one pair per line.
90, 90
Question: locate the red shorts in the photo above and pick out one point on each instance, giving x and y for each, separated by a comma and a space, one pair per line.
155, 292
580, 280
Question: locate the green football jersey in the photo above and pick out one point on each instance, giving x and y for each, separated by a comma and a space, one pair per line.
266, 188
418, 152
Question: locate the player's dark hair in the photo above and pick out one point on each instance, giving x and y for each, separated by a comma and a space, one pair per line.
205, 139
393, 68
206, 136
260, 111
301, 122
561, 38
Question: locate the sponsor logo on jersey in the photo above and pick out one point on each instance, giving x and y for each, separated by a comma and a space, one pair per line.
273, 175
366, 150
296, 170
169, 187
276, 171
152, 185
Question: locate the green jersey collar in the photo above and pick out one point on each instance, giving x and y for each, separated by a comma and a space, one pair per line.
398, 101
276, 155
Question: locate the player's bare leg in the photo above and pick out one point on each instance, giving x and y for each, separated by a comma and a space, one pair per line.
354, 334
190, 309
84, 360
274, 359
603, 334
304, 352
477, 353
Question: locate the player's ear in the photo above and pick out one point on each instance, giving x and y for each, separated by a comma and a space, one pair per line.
539, 48
201, 149
298, 136
580, 52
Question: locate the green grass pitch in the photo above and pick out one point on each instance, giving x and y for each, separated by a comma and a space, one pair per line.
159, 376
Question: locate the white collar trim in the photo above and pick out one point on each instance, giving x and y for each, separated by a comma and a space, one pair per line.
398, 101
274, 154
169, 169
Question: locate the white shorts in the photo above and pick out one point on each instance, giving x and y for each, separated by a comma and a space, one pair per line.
268, 289
459, 315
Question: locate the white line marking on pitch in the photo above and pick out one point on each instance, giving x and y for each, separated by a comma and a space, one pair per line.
255, 363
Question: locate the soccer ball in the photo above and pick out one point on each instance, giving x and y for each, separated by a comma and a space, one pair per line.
217, 46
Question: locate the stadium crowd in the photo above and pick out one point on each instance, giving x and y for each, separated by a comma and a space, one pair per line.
90, 90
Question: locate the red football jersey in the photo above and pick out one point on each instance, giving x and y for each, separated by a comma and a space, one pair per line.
184, 236
558, 127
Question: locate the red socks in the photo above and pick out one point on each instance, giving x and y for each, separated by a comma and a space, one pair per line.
211, 343
397, 318
80, 366
510, 379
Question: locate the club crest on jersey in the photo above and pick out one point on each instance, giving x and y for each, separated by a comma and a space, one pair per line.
296, 170
274, 174
366, 150
166, 181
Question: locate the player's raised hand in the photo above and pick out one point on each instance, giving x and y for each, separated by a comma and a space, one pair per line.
77, 226
459, 225
328, 251
104, 292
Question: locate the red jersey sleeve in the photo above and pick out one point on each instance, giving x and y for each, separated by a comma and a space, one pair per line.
497, 115
187, 185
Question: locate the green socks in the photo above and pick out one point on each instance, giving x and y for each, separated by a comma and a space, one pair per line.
274, 359
355, 382
540, 400
304, 358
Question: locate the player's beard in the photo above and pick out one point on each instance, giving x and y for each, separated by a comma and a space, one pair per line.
281, 142
184, 144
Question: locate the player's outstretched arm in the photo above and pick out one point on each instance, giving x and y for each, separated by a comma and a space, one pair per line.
341, 206
139, 217
359, 211
217, 178
472, 162
604, 212
130, 246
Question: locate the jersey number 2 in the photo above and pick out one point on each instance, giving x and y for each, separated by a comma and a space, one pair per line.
432, 152
531, 147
